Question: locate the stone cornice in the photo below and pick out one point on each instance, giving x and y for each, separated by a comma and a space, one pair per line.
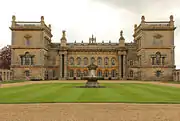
92, 50
17, 47
27, 66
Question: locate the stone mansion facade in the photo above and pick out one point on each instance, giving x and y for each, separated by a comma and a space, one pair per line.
149, 57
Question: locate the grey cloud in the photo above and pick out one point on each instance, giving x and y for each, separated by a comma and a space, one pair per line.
140, 6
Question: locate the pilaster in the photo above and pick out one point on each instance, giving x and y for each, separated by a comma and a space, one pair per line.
60, 66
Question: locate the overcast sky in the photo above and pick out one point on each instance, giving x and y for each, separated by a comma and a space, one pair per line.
82, 18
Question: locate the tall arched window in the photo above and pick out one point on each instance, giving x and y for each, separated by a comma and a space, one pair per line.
71, 61
85, 61
113, 61
113, 73
71, 73
78, 61
99, 61
106, 61
78, 73
99, 73
106, 73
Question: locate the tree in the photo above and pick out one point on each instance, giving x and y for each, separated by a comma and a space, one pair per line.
5, 57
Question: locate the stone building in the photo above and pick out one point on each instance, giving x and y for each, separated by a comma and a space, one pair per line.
149, 57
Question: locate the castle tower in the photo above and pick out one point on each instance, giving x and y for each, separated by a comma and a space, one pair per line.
29, 48
155, 49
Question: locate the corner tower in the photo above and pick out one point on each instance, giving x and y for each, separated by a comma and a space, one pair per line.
29, 46
155, 49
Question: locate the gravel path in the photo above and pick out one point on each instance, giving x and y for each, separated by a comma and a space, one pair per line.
89, 111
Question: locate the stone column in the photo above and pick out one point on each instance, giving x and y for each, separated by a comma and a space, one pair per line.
60, 66
173, 59
124, 66
65, 66
119, 63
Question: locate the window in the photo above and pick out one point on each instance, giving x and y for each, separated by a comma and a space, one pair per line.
131, 73
153, 60
71, 73
99, 73
158, 58
26, 59
113, 61
71, 61
106, 61
54, 73
163, 60
106, 73
113, 73
158, 73
99, 61
78, 61
78, 73
85, 61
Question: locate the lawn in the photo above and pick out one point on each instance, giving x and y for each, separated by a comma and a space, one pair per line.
65, 92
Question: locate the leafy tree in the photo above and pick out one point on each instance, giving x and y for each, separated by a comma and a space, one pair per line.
5, 57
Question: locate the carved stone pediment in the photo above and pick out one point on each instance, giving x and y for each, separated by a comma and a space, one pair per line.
158, 36
27, 36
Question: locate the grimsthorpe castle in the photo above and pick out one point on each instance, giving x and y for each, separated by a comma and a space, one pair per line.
149, 57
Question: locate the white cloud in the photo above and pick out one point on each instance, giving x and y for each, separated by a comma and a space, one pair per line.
82, 18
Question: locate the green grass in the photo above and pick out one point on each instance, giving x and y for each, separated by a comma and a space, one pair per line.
65, 92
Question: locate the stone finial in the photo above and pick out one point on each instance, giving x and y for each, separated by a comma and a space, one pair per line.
75, 41
63, 33
103, 41
82, 41
171, 17
142, 19
42, 18
135, 26
121, 35
50, 26
13, 18
109, 41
